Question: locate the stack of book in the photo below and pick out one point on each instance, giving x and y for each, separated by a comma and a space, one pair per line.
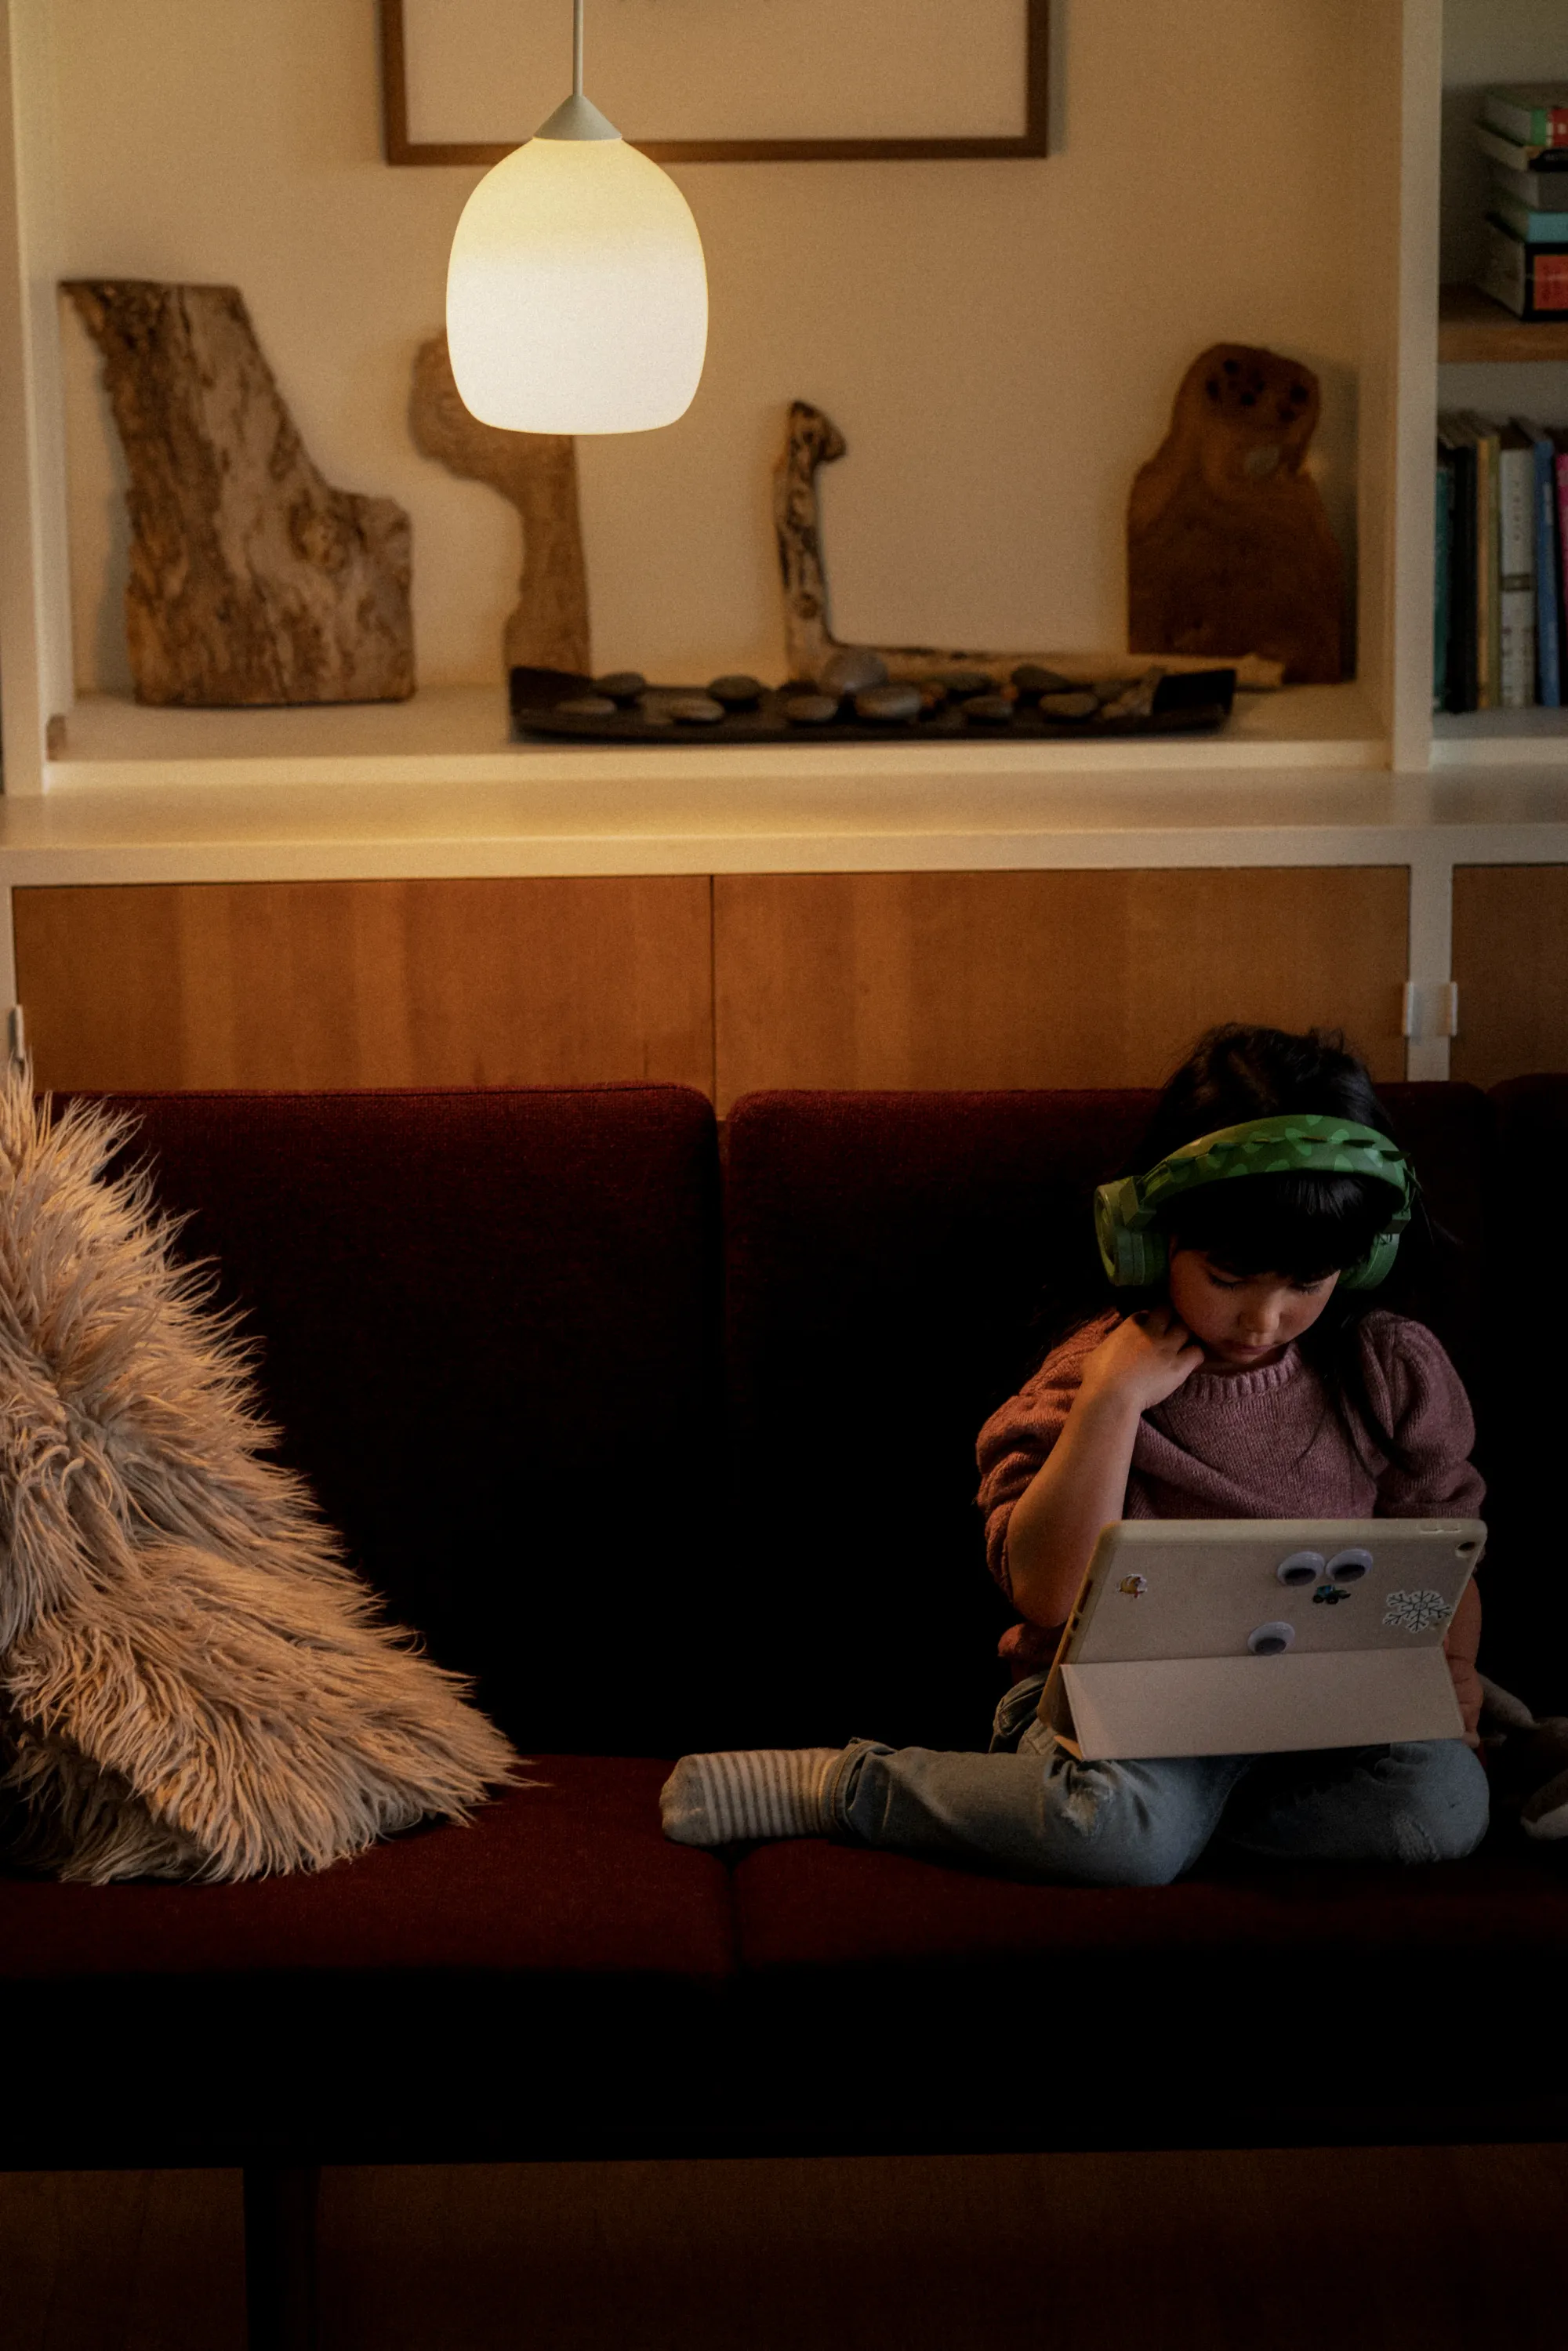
1524, 133
1499, 621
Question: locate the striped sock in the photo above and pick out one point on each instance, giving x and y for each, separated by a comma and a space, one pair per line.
755, 1791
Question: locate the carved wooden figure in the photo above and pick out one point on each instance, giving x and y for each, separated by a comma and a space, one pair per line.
547, 628
252, 580
1228, 538
813, 440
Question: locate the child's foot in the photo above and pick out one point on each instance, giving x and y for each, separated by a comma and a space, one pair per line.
755, 1791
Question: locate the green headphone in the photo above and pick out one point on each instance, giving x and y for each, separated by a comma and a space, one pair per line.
1133, 1250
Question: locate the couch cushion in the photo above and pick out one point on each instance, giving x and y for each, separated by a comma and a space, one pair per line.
1234, 2000
456, 1987
486, 1323
886, 1259
573, 1877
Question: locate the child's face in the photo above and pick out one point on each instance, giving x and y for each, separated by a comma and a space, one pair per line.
1242, 1322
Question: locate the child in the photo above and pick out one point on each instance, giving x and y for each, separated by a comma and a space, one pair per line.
1249, 1380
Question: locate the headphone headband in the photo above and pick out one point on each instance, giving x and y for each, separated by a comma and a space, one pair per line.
1307, 1142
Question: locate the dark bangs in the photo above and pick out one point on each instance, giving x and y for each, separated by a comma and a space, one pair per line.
1301, 1227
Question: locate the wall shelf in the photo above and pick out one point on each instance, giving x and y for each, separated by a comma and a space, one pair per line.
457, 734
1474, 330
1493, 739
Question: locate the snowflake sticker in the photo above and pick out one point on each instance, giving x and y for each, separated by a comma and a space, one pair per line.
1416, 1612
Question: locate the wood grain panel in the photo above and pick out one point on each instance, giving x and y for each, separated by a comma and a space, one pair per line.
1510, 959
1412, 2249
490, 982
1042, 979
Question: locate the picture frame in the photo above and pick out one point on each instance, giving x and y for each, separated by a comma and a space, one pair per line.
405, 35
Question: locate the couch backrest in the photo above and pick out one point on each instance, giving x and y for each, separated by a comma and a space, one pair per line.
886, 1258
487, 1325
1526, 1645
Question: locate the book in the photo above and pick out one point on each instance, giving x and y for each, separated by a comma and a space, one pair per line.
1488, 619
1530, 280
1534, 113
1528, 221
1516, 569
1442, 542
1548, 615
1538, 165
1459, 670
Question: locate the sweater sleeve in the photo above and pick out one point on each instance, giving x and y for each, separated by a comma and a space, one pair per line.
1421, 1400
1017, 1438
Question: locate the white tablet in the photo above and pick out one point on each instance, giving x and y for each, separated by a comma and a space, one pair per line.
1229, 1636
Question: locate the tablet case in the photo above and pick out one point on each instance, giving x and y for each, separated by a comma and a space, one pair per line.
1225, 1636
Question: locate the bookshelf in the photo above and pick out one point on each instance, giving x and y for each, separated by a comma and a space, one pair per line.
1486, 358
1474, 330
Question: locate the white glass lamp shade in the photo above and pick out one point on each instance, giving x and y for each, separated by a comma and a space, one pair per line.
575, 296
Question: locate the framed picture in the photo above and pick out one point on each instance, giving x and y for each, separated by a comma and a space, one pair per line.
722, 82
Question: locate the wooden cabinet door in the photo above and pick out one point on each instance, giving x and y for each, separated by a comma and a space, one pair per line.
488, 982
1510, 959
1043, 978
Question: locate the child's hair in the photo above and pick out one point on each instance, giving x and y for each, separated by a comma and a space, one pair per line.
1301, 1227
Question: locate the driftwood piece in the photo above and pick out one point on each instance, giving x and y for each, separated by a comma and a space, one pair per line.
251, 579
1226, 535
814, 441
537, 471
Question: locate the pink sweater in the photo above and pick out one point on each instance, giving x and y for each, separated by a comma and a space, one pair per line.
1248, 1444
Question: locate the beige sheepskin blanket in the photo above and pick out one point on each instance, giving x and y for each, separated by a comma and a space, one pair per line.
192, 1685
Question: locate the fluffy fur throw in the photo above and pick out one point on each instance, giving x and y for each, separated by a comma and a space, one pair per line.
192, 1683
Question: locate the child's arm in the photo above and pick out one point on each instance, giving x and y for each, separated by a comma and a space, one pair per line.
1422, 1401
1461, 1645
1083, 1484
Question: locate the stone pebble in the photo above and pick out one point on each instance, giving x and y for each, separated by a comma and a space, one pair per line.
586, 706
621, 684
886, 704
852, 670
1079, 704
694, 709
737, 692
1031, 678
988, 709
961, 683
811, 709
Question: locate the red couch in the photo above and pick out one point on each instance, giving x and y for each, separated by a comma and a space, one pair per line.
671, 1458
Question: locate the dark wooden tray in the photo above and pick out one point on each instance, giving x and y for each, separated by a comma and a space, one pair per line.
1193, 702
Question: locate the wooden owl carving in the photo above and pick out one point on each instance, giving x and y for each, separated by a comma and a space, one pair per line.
1229, 544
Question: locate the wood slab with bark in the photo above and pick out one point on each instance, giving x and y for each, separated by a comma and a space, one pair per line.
252, 580
1226, 534
537, 472
813, 441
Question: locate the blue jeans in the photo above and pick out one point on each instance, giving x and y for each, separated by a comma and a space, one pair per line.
1030, 1811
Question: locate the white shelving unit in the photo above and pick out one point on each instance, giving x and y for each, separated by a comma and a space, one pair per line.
97, 788
55, 743
1486, 358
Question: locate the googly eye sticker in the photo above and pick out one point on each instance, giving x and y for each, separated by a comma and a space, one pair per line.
1415, 1612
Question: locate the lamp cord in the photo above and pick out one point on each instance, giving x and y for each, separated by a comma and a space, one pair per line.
577, 48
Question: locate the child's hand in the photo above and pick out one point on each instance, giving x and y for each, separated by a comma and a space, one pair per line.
1468, 1690
1141, 1362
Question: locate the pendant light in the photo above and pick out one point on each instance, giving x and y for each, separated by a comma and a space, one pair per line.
575, 296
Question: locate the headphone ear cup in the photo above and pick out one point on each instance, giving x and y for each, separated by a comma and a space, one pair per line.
1144, 1257
1132, 1260
1375, 1267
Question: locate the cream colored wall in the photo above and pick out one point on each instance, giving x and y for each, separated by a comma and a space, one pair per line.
999, 341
